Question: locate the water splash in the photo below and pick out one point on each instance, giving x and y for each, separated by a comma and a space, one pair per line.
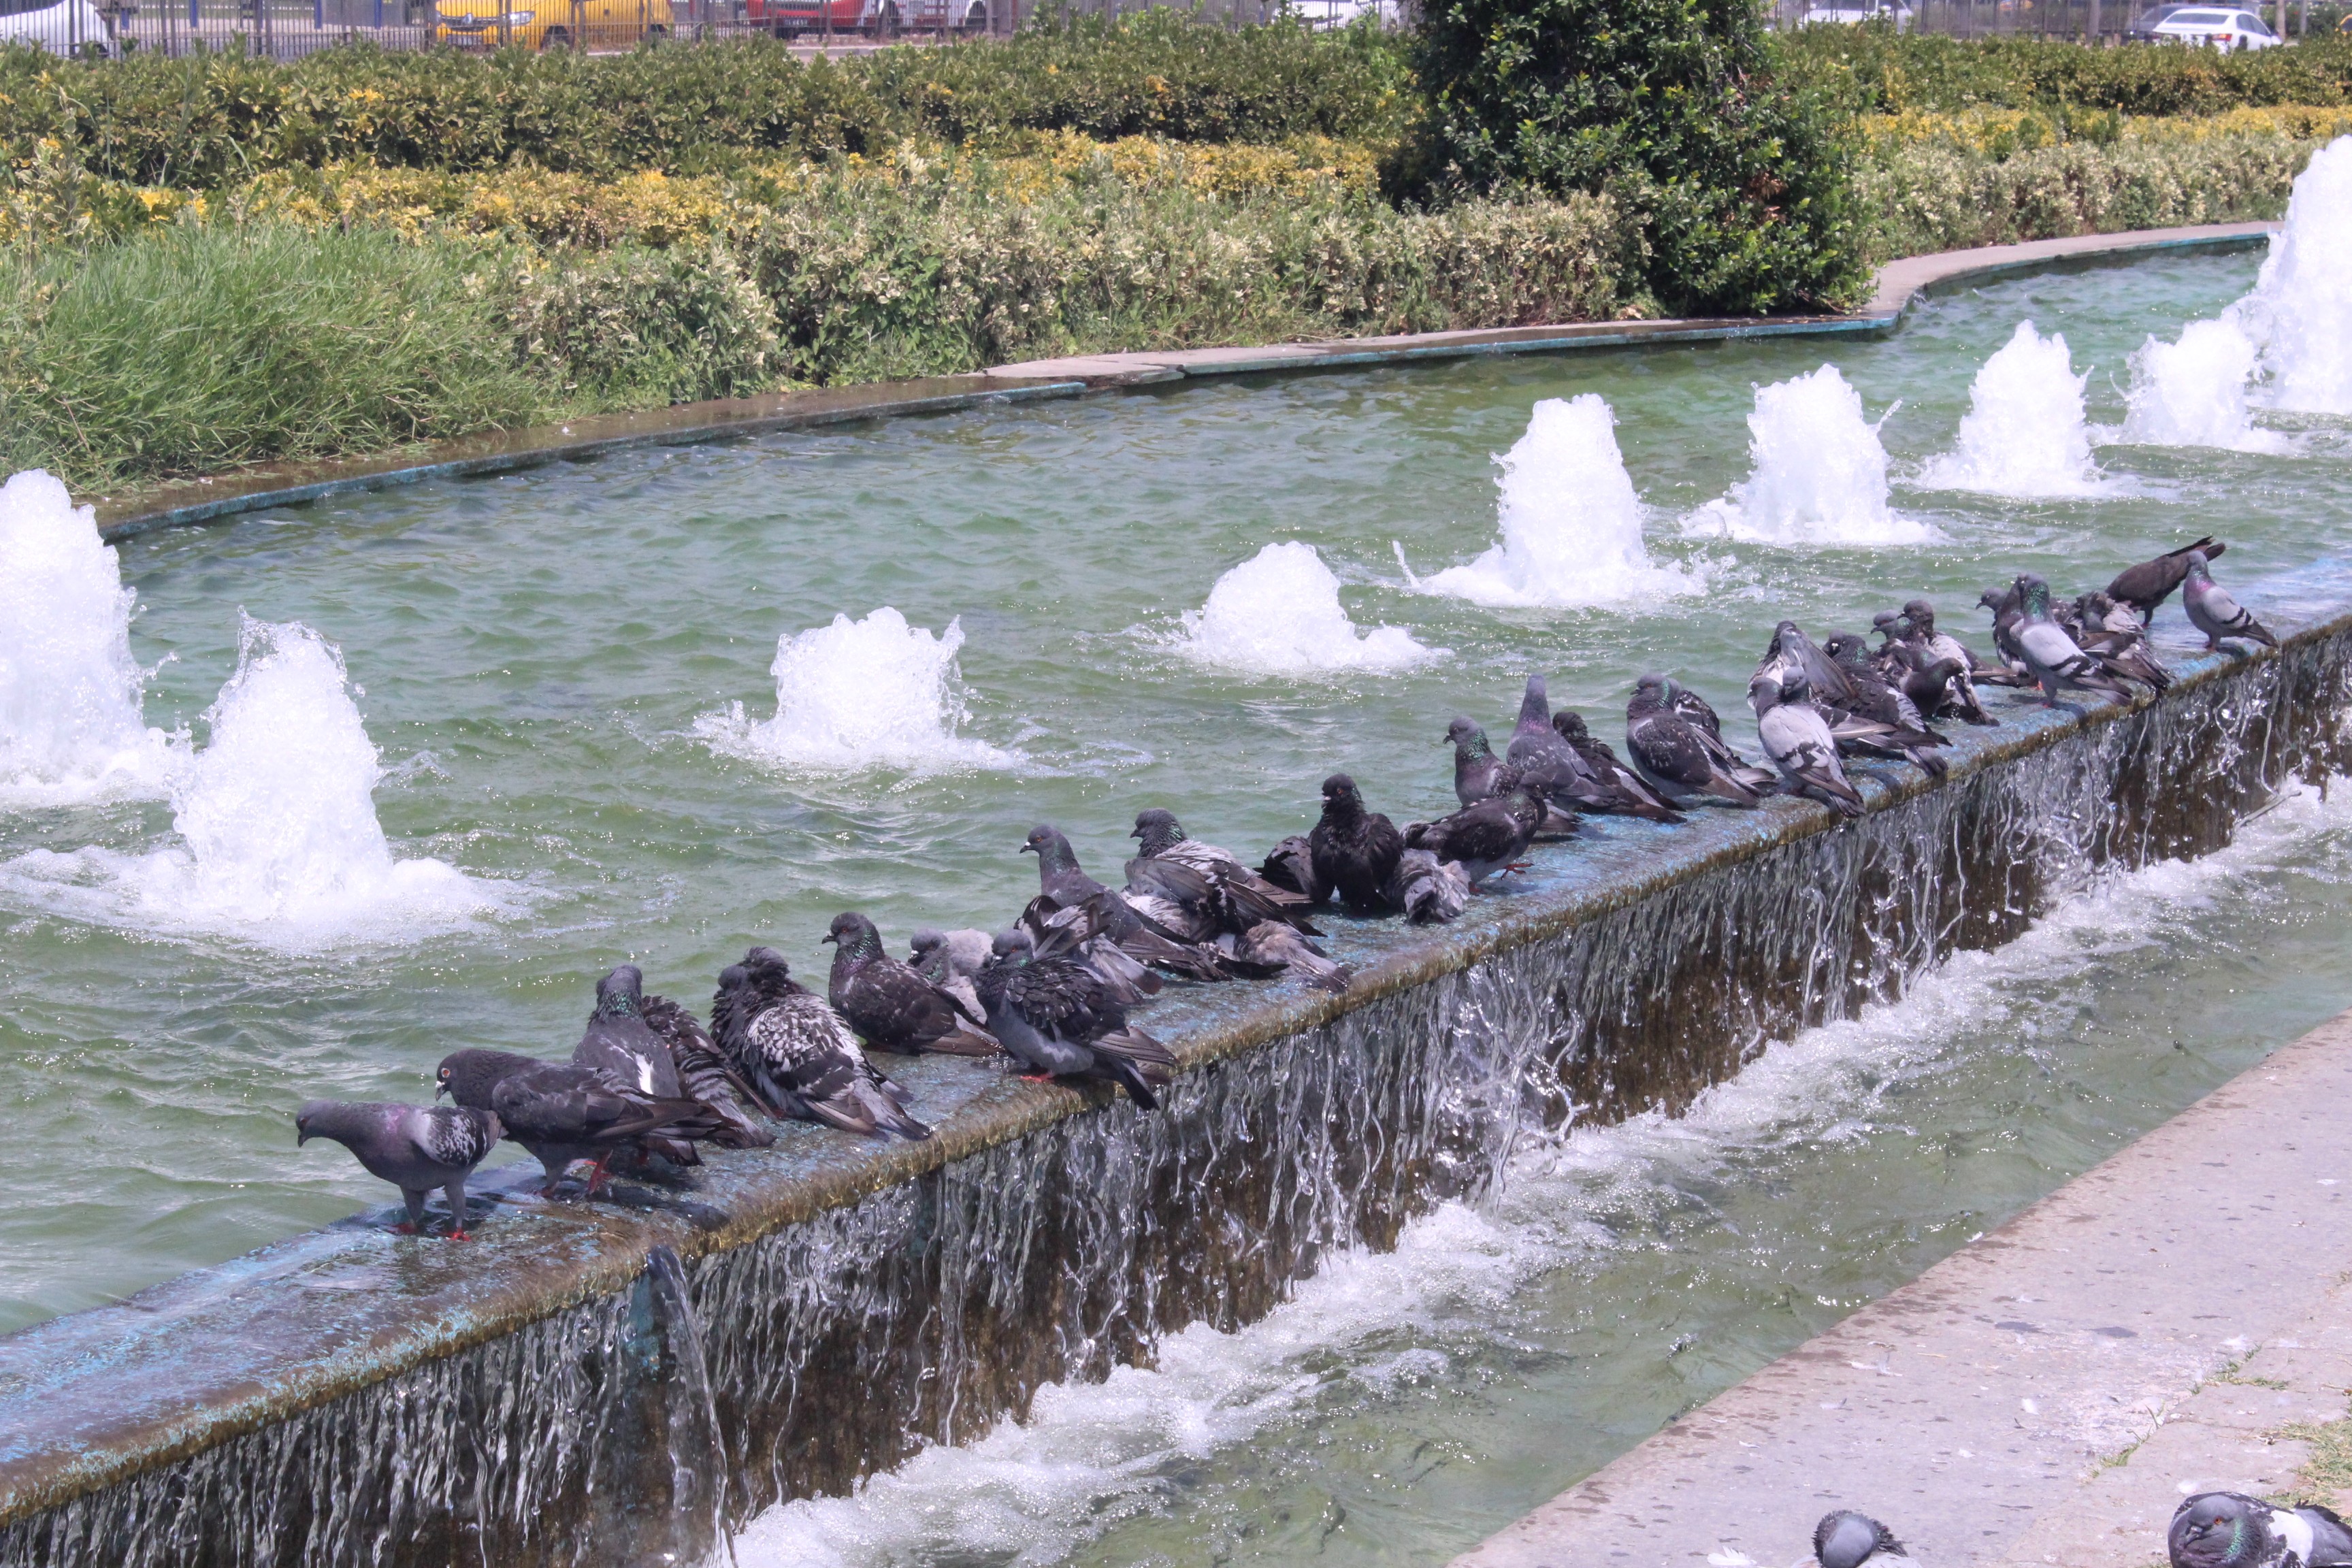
279, 841
2024, 434
1278, 613
2300, 312
861, 695
1571, 525
2193, 393
71, 728
1818, 475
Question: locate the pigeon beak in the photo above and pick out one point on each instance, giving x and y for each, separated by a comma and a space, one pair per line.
828, 937
1028, 849
301, 1134
441, 1089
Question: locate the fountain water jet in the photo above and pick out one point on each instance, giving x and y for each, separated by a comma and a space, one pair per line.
2300, 312
71, 728
1571, 525
2024, 432
1820, 474
276, 818
2192, 392
860, 695
1278, 614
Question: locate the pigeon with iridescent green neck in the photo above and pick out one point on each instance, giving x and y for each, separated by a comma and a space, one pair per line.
891, 1005
2230, 1530
2057, 662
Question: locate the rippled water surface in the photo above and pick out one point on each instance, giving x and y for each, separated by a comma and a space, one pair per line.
549, 661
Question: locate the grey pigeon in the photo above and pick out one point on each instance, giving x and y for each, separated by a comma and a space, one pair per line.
1055, 1017
1791, 649
1548, 765
2230, 1530
1277, 944
2144, 586
416, 1148
1627, 795
2057, 662
1848, 1539
799, 1055
889, 1005
1682, 758
1239, 898
2110, 633
1428, 891
950, 959
620, 1044
1291, 864
706, 1074
1354, 849
1798, 740
2213, 611
564, 1112
1478, 774
1122, 918
1884, 721
1933, 646
1485, 839
2008, 607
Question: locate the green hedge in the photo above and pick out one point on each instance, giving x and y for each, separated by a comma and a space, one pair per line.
207, 119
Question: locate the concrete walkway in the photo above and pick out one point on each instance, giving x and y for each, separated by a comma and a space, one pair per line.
2050, 1393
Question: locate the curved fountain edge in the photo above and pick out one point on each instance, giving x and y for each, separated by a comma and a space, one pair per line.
1899, 284
94, 1398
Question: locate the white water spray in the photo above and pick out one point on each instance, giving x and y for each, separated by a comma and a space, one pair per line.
1571, 525
1818, 475
2193, 393
69, 690
279, 840
2024, 434
1278, 613
2300, 313
860, 695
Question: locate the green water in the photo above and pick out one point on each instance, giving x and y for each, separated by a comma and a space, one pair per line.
535, 650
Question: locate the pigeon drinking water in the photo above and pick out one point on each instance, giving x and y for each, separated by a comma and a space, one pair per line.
416, 1148
2213, 611
891, 1005
2230, 1530
799, 1055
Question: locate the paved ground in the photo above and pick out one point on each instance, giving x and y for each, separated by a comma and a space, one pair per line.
2048, 1394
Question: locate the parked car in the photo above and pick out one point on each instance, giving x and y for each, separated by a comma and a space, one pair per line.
2228, 31
868, 18
60, 27
2143, 26
1850, 12
1321, 14
552, 23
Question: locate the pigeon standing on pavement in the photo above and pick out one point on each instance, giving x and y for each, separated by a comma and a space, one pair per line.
2150, 583
2213, 611
1685, 760
1848, 1539
567, 1112
889, 1003
1627, 795
416, 1148
2057, 662
799, 1055
2230, 1530
1798, 740
1354, 849
1054, 1017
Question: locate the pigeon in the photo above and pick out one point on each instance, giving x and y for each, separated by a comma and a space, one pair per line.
1548, 765
1132, 928
1079, 931
1242, 898
2229, 1530
1429, 890
2057, 662
1682, 757
1628, 795
1884, 721
2214, 612
1054, 1017
2150, 583
705, 1073
1291, 864
949, 960
1848, 1539
1798, 740
1485, 839
1936, 646
1281, 945
2111, 633
1355, 850
564, 1112
1790, 648
416, 1148
799, 1055
1478, 774
894, 1008
2008, 607
619, 1042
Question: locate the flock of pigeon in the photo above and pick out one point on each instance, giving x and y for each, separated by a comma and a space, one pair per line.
649, 1082
2210, 1530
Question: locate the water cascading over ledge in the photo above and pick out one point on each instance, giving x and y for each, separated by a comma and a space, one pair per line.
569, 1392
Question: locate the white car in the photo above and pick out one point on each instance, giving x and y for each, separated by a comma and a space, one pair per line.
2228, 31
60, 27
1847, 13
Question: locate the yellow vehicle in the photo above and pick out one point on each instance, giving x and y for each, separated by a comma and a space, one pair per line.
551, 23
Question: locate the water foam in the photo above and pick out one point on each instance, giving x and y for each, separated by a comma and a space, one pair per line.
71, 728
1571, 525
1092, 1455
1818, 475
2024, 434
1278, 613
279, 841
2192, 392
857, 696
2300, 312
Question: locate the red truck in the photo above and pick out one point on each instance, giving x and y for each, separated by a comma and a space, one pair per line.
868, 18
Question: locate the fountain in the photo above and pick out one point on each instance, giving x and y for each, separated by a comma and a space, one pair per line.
1571, 525
1278, 614
279, 841
2024, 432
71, 728
860, 695
1818, 475
2300, 312
2192, 392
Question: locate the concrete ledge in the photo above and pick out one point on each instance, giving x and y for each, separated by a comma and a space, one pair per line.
2048, 1393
